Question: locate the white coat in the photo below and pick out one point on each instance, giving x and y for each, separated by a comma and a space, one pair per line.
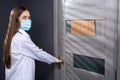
23, 53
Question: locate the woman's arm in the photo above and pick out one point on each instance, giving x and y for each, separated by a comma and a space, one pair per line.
28, 48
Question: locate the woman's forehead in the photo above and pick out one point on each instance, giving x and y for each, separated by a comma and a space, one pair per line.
25, 13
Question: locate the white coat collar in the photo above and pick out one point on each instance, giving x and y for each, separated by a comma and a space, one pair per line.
23, 32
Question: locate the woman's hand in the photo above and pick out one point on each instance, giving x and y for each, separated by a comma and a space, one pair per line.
60, 61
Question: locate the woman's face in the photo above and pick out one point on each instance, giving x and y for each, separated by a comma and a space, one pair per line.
24, 16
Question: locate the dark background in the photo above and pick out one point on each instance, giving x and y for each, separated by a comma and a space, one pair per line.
41, 32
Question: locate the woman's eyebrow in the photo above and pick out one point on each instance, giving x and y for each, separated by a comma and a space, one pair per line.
24, 16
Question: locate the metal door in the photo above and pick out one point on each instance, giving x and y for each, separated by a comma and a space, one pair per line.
86, 57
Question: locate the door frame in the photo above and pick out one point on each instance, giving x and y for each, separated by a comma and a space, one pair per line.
118, 45
57, 12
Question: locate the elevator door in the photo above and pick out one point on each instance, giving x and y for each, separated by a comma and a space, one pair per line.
87, 36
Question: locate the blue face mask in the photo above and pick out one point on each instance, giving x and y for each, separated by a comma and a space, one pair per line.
26, 25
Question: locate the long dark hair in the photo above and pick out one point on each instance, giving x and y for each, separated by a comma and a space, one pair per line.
12, 29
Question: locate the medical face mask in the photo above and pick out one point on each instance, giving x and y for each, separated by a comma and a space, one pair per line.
26, 25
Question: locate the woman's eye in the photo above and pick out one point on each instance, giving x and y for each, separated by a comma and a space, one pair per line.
24, 17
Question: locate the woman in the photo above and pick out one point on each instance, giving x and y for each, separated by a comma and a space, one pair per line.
19, 50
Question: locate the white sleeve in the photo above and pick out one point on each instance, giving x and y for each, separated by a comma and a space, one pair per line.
29, 49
